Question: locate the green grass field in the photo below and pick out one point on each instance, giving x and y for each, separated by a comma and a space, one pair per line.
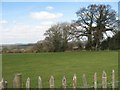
58, 65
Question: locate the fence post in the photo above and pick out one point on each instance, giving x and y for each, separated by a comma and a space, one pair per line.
95, 81
113, 79
39, 83
51, 81
74, 81
17, 81
64, 83
84, 81
28, 84
104, 80
3, 84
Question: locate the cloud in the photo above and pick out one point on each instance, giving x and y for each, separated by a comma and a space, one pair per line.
21, 33
3, 22
49, 8
43, 15
18, 30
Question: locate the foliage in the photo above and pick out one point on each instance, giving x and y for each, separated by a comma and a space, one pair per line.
112, 43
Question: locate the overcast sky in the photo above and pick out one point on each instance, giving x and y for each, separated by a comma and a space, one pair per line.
26, 22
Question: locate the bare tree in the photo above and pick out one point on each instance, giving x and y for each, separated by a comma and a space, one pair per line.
58, 35
95, 20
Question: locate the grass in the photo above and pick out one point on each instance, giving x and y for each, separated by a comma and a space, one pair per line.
58, 65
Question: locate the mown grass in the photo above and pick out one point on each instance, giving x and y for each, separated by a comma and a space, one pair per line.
58, 65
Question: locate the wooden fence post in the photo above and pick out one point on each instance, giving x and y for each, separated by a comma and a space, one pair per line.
3, 84
39, 83
104, 80
17, 82
51, 81
74, 81
95, 81
28, 84
84, 81
64, 83
113, 79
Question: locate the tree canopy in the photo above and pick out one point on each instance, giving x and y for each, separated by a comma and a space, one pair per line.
95, 20
91, 27
58, 35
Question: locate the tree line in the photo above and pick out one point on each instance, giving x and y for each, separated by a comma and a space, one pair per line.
91, 31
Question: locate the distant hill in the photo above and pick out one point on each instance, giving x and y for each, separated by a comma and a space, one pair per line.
17, 46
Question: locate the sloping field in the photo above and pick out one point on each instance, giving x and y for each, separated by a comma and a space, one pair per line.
58, 65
